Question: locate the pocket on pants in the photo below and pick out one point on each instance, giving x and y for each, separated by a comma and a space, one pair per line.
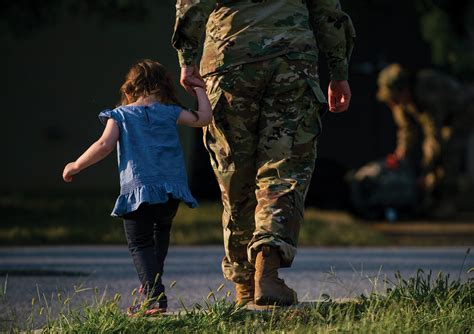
216, 143
213, 89
308, 129
316, 89
310, 126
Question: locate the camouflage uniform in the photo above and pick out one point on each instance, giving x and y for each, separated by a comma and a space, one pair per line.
259, 63
435, 121
417, 134
440, 96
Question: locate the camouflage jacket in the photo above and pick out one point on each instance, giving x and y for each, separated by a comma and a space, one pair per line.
417, 135
243, 31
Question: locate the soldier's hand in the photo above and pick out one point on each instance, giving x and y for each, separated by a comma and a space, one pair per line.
339, 96
190, 78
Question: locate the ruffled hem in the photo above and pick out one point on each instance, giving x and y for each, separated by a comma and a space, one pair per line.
152, 194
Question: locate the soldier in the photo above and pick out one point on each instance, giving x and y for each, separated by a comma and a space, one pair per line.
431, 111
260, 67
417, 135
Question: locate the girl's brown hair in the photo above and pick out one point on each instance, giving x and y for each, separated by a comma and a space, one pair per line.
148, 78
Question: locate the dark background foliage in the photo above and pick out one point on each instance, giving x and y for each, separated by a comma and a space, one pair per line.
66, 59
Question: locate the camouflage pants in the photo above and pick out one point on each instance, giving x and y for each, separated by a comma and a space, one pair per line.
262, 145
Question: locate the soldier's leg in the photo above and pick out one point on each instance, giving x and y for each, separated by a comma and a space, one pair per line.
289, 127
231, 140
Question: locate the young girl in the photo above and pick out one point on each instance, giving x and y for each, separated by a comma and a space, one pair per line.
152, 173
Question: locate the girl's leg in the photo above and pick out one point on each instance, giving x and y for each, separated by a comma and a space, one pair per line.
138, 226
164, 214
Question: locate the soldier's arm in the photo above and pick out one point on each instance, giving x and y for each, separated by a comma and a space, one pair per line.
431, 147
335, 35
191, 19
404, 137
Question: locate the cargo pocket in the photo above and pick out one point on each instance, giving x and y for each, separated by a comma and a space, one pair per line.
213, 89
213, 137
318, 93
310, 126
319, 107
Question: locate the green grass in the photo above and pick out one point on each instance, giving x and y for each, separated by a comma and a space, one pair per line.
421, 304
84, 219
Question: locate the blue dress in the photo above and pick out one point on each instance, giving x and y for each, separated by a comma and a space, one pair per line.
150, 157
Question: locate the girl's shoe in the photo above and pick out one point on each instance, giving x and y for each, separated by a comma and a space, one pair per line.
136, 310
152, 309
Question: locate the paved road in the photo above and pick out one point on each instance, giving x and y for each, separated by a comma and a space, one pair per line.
338, 272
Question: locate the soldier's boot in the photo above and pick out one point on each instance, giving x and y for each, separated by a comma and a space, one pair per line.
244, 292
269, 288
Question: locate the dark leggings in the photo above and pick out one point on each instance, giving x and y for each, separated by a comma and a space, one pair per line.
148, 235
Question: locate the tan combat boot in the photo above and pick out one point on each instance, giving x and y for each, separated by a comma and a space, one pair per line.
269, 288
244, 292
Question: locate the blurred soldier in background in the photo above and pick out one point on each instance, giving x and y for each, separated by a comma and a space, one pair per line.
434, 116
260, 66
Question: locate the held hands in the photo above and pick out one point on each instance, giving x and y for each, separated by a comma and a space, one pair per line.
70, 170
339, 96
191, 78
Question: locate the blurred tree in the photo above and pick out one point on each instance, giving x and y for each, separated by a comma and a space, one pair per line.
448, 26
23, 17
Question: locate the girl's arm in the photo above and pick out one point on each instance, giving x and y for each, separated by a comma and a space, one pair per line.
204, 112
96, 152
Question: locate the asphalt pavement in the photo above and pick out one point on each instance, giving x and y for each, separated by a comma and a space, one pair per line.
86, 273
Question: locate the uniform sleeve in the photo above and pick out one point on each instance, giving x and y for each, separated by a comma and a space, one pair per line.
106, 114
335, 34
191, 19
404, 133
430, 147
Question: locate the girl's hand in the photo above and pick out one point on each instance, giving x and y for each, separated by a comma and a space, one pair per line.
96, 152
70, 170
